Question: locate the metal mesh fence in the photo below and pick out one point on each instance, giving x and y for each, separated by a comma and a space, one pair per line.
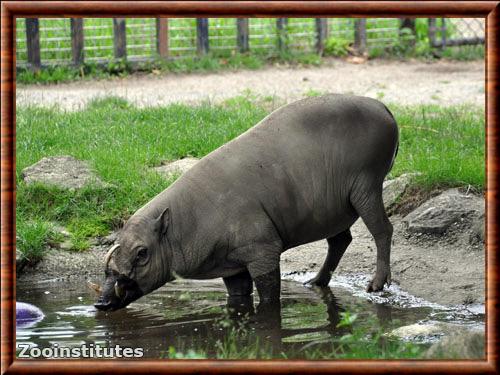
141, 34
21, 49
341, 28
468, 27
222, 34
141, 38
182, 37
98, 34
56, 37
263, 33
301, 34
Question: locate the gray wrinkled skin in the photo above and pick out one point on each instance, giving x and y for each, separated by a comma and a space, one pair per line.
304, 173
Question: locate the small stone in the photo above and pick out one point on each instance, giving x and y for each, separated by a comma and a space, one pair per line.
66, 245
61, 230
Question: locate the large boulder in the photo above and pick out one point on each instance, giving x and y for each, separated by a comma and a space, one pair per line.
437, 214
177, 167
65, 172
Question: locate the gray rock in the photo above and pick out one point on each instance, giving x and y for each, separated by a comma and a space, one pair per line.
460, 345
477, 231
61, 230
394, 188
437, 214
21, 261
424, 332
66, 245
62, 171
177, 167
109, 239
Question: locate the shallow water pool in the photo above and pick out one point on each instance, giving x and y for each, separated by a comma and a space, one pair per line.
184, 318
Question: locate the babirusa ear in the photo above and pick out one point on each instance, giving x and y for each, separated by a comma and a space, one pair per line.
163, 221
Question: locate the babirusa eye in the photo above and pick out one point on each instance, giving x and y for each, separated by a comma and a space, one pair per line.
142, 254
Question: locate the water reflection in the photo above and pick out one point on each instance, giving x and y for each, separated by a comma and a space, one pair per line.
196, 315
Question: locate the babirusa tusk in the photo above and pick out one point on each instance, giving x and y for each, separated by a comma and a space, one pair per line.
109, 254
118, 290
95, 287
177, 276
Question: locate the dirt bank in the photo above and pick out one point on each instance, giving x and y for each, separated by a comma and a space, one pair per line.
409, 82
444, 270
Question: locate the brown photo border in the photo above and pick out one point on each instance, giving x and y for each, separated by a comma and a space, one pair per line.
12, 9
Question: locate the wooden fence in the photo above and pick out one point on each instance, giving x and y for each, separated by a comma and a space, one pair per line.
203, 40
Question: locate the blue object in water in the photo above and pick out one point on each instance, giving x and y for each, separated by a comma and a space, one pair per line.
27, 315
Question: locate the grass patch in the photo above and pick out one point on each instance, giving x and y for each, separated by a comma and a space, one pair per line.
122, 142
445, 144
33, 237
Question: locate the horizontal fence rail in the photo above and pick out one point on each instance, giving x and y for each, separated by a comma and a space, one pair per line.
54, 41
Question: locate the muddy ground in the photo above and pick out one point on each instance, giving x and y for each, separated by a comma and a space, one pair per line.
444, 270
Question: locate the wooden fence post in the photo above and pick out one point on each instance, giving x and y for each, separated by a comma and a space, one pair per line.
202, 44
162, 37
443, 33
360, 35
408, 23
120, 40
77, 40
33, 43
321, 34
432, 32
281, 25
243, 34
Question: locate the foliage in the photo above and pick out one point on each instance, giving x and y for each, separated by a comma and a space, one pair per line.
121, 68
336, 47
32, 238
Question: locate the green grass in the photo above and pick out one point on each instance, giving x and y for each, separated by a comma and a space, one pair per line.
122, 142
33, 237
445, 144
